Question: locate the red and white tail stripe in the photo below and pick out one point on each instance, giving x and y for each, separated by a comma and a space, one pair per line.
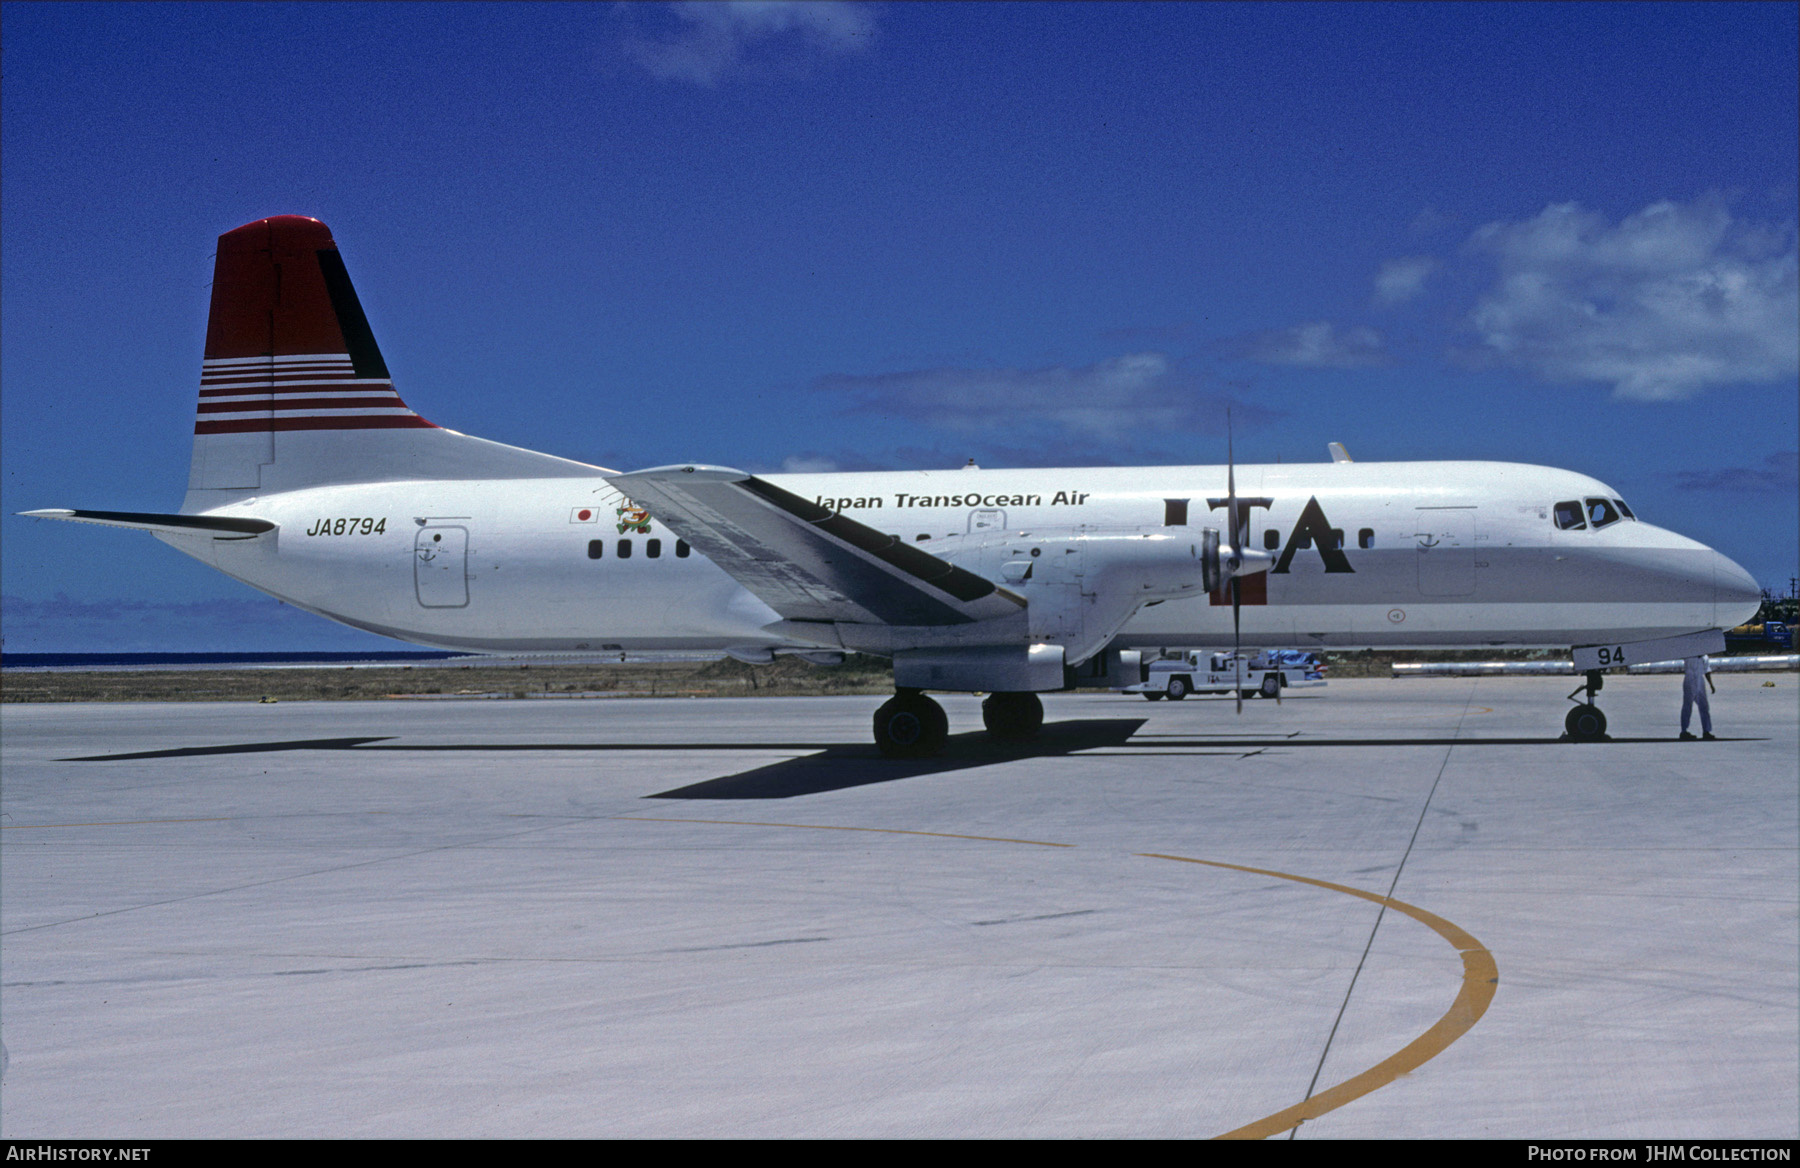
306, 391
287, 345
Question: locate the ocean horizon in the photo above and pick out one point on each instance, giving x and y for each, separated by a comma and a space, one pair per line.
202, 660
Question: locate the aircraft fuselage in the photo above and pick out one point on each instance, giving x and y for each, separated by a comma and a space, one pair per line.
1365, 555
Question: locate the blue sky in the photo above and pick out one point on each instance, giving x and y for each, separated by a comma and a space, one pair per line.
903, 235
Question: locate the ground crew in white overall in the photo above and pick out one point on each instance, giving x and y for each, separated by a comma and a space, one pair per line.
1696, 679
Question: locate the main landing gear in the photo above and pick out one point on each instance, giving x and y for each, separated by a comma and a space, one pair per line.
1585, 722
911, 725
1013, 716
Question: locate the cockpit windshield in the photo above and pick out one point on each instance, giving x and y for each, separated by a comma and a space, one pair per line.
1590, 514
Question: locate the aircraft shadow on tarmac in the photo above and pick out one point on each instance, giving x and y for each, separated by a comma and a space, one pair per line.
824, 766
836, 766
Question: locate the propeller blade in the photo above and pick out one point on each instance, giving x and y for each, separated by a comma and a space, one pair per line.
1237, 657
1231, 499
1230, 481
1237, 549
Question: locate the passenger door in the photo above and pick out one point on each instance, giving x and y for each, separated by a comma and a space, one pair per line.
440, 567
1445, 537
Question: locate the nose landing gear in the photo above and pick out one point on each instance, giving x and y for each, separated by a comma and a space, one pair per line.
1585, 722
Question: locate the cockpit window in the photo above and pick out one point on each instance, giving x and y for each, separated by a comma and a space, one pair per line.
1601, 512
1623, 509
1569, 517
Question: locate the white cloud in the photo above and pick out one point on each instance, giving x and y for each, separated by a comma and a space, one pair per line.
705, 42
1674, 300
809, 464
1779, 475
1317, 344
1109, 400
1402, 279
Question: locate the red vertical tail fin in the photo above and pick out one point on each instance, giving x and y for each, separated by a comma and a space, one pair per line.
294, 391
287, 349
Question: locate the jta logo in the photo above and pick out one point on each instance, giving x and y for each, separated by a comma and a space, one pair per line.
1312, 530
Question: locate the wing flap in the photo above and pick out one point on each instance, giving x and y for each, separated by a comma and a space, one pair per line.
806, 561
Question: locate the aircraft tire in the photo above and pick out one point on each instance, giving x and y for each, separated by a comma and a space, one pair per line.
1178, 688
911, 725
1013, 716
1585, 723
1271, 685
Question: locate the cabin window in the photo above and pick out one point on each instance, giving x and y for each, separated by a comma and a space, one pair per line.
1601, 513
921, 537
1175, 512
624, 549
653, 548
595, 548
682, 549
1365, 538
1568, 516
1271, 539
1337, 539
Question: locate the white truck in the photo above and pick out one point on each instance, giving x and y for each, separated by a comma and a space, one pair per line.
1263, 673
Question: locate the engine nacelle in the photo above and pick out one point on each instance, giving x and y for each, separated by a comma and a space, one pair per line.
1082, 584
982, 668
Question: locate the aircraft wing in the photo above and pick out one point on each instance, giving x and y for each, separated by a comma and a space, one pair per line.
807, 562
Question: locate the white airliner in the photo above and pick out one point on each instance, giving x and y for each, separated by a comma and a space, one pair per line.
312, 481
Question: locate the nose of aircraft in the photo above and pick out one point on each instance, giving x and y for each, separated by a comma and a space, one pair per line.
1736, 596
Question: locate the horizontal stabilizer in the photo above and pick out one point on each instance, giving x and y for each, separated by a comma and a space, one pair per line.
806, 561
218, 526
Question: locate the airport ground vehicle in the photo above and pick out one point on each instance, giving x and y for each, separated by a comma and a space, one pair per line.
1260, 674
